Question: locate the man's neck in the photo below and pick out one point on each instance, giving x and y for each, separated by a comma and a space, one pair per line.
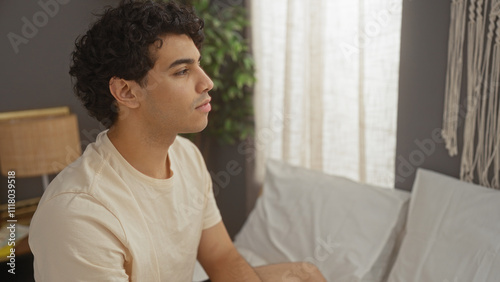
147, 154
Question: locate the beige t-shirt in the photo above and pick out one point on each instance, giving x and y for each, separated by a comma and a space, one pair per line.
102, 220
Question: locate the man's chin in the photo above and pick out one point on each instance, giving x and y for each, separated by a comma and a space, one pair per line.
197, 129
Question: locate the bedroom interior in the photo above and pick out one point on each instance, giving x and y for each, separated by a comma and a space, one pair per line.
35, 76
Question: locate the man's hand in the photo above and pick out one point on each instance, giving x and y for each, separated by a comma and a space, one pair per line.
220, 259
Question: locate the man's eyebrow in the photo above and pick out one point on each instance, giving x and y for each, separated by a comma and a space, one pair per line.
183, 61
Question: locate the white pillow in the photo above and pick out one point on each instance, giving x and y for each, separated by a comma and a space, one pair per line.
348, 230
453, 232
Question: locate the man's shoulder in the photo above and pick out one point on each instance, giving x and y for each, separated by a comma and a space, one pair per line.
79, 176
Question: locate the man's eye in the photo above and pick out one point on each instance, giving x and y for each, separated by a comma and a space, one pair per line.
182, 72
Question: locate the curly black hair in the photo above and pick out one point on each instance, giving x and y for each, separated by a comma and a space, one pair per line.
118, 45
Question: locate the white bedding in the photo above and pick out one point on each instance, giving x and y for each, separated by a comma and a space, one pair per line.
352, 231
347, 229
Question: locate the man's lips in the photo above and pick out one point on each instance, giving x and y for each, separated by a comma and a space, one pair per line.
205, 106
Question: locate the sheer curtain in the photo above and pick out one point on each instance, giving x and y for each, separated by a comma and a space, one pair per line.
326, 95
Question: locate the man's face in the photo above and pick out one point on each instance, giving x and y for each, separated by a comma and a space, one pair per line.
176, 96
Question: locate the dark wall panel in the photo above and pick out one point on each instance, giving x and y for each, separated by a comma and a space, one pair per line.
424, 49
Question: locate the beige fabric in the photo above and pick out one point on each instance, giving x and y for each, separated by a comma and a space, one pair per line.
327, 85
102, 220
480, 160
454, 75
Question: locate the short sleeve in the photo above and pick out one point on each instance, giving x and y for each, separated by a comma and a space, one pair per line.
211, 214
72, 236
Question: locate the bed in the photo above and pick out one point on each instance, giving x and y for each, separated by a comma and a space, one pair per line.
446, 230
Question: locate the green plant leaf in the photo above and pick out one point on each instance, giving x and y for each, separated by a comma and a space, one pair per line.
201, 5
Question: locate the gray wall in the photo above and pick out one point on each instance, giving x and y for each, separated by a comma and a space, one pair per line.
37, 75
424, 48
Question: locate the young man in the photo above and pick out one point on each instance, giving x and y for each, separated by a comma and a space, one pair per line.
138, 204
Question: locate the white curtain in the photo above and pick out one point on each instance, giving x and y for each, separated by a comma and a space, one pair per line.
327, 85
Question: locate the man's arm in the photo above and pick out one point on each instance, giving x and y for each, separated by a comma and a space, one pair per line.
220, 259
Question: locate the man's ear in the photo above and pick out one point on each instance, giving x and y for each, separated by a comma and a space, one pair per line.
124, 92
